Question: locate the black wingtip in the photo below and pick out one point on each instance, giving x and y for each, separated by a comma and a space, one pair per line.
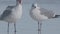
57, 16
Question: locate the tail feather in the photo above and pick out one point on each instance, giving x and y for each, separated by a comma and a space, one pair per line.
57, 16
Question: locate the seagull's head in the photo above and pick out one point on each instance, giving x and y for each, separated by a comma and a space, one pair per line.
18, 1
34, 5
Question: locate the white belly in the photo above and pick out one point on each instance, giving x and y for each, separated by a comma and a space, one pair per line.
35, 14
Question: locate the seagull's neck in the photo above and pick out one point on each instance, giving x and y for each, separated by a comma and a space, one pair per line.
18, 4
37, 7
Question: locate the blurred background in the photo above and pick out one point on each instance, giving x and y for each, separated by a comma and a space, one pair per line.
26, 25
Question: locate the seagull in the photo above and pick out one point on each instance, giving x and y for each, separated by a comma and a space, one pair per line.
40, 14
11, 14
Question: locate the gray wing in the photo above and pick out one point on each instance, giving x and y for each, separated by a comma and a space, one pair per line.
7, 12
47, 13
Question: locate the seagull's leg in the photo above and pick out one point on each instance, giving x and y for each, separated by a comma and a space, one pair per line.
8, 28
39, 27
14, 28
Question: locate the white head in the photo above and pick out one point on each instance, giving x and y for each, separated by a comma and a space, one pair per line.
35, 5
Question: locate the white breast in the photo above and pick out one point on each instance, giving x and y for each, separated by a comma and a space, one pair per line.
15, 14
